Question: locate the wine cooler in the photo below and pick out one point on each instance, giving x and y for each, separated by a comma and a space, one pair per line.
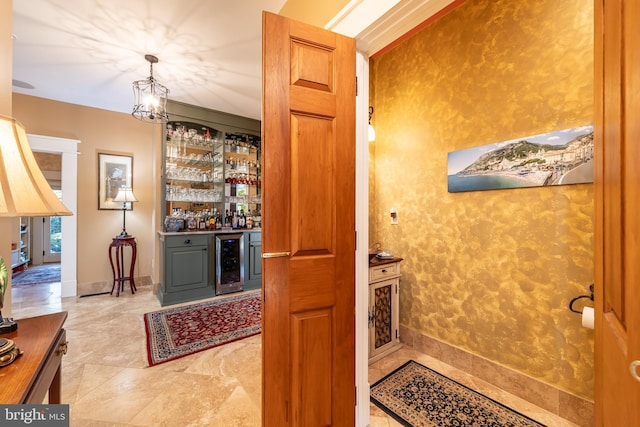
229, 263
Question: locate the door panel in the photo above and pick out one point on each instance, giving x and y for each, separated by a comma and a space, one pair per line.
312, 163
308, 225
617, 233
313, 377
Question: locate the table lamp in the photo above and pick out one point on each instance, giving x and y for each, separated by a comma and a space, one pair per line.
24, 191
125, 195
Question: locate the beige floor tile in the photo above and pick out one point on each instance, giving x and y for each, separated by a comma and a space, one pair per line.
238, 410
123, 396
192, 399
107, 381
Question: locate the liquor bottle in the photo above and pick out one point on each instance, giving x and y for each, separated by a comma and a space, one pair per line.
241, 219
191, 222
200, 220
212, 220
234, 221
227, 218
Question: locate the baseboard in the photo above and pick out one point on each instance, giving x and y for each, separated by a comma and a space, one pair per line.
96, 288
566, 405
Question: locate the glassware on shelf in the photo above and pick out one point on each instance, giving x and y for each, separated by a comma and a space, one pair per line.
199, 161
191, 174
176, 193
236, 199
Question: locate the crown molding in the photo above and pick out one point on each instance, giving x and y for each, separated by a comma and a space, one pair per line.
376, 24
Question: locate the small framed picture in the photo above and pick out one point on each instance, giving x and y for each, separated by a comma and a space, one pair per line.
114, 172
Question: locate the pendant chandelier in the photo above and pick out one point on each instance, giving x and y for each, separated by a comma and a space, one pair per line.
150, 97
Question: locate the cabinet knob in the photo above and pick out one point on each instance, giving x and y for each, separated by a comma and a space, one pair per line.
187, 242
62, 349
384, 271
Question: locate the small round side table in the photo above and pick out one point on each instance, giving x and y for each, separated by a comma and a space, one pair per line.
117, 245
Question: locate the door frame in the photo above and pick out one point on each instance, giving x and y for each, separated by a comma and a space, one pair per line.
68, 148
362, 240
375, 27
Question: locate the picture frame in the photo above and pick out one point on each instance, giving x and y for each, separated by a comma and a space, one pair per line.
559, 157
114, 171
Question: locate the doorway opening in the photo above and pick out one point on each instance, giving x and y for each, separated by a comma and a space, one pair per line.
47, 231
66, 151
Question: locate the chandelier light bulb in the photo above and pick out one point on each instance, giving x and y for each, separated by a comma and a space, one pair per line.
151, 102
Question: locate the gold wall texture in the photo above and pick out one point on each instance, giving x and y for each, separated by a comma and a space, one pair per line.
491, 272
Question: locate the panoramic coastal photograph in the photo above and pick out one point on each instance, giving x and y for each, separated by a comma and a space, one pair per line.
553, 158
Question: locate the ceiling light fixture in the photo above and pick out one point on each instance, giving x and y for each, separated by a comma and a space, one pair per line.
150, 97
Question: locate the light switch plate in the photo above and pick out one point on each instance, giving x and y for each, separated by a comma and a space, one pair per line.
394, 216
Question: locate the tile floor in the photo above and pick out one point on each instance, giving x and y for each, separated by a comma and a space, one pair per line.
107, 382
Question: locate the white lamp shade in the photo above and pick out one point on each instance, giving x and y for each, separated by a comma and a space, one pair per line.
125, 195
24, 190
372, 134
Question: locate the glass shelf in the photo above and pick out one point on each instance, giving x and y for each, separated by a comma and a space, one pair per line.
207, 172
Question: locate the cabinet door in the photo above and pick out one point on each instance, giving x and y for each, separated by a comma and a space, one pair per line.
383, 312
255, 260
187, 268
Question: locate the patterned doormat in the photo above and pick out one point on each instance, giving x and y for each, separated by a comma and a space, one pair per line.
417, 396
178, 332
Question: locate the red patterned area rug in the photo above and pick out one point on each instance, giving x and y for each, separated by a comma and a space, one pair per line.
417, 396
178, 332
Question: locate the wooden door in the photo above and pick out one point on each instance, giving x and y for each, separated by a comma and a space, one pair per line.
617, 237
308, 136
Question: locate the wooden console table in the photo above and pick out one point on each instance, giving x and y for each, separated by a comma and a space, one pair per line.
43, 343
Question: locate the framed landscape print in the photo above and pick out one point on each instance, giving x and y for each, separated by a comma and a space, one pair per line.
554, 158
114, 172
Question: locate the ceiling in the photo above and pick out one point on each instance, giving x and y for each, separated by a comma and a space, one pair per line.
89, 52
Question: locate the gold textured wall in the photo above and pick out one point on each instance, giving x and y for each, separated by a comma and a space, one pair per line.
491, 272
